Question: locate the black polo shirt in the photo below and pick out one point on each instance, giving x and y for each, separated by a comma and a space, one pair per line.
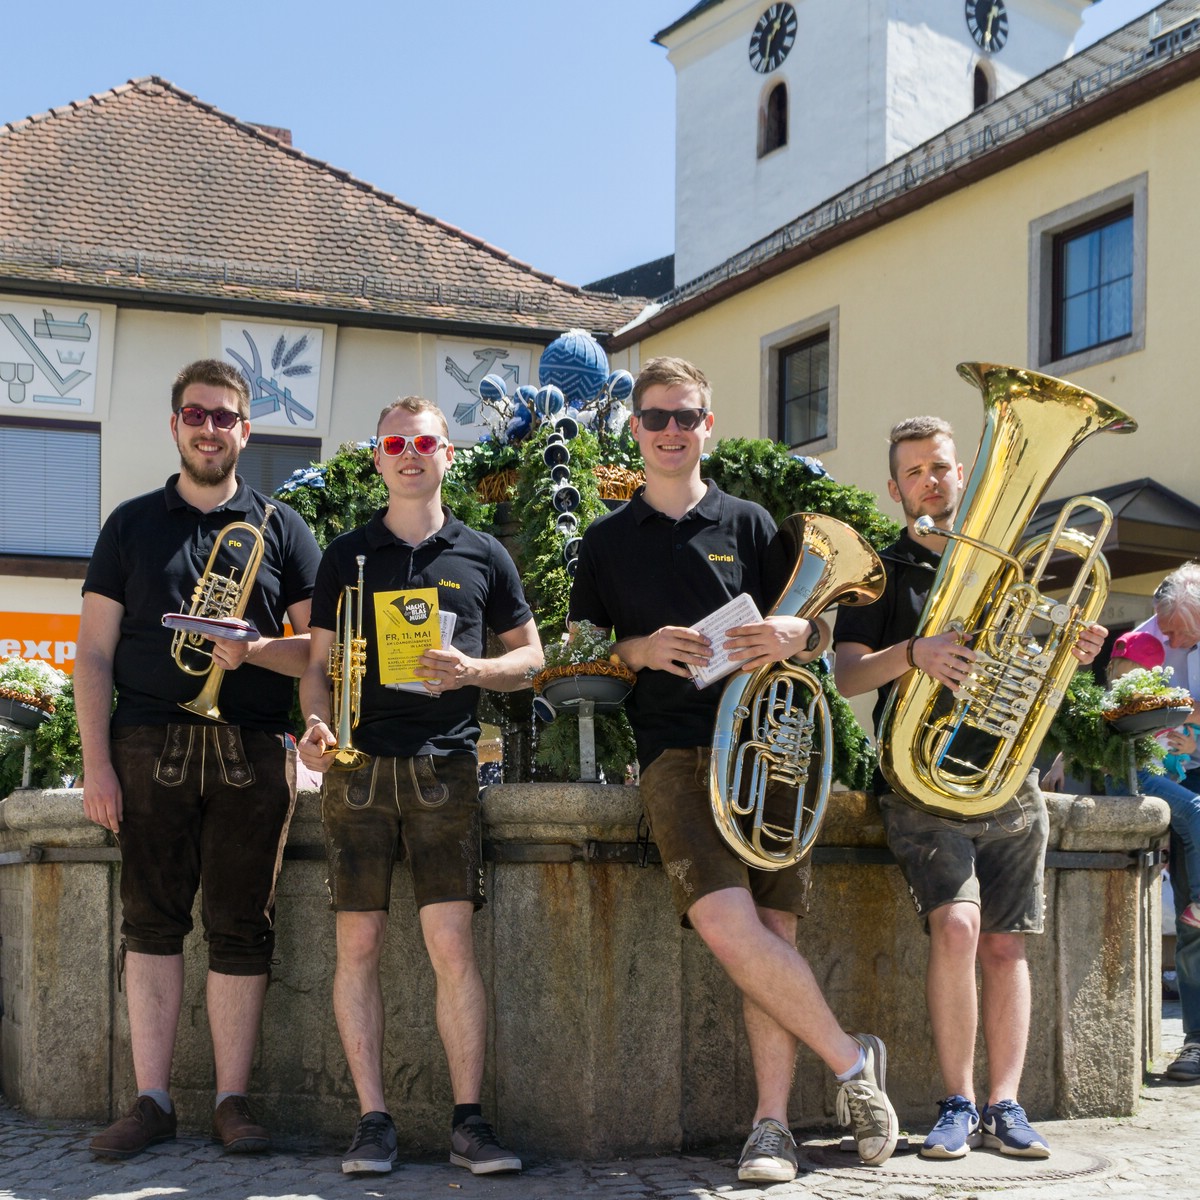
148, 558
894, 617
640, 570
475, 578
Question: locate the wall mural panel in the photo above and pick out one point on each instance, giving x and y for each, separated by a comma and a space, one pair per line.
48, 358
282, 365
461, 366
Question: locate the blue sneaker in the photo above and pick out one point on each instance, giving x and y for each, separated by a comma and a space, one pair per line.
1005, 1128
956, 1131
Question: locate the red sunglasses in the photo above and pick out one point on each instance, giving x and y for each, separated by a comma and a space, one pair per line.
427, 444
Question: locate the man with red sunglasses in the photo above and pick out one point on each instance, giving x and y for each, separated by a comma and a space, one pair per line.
191, 802
677, 551
419, 786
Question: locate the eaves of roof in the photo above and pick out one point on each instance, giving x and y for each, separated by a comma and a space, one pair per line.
113, 197
970, 151
691, 14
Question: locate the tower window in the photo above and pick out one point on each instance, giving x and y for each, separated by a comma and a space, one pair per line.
773, 121
983, 87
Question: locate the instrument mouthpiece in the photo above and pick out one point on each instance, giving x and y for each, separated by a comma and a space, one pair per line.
924, 526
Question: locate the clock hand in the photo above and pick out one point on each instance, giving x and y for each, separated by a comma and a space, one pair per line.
987, 33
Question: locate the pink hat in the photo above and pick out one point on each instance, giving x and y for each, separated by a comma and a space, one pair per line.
1141, 648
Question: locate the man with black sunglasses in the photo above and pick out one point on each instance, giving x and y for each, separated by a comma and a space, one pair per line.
418, 789
193, 803
677, 551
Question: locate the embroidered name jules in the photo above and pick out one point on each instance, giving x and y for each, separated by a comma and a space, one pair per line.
450, 584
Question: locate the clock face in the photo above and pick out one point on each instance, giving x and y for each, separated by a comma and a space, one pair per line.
774, 35
988, 23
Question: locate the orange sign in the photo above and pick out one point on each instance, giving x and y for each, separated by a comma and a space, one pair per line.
49, 637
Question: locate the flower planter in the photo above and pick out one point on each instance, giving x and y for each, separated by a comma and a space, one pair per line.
21, 713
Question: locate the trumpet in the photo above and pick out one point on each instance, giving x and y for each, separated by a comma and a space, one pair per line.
219, 596
347, 666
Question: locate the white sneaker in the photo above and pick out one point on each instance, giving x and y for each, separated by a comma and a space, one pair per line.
769, 1155
862, 1104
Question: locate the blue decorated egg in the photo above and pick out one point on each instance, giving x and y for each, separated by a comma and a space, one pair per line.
493, 388
549, 401
620, 385
576, 364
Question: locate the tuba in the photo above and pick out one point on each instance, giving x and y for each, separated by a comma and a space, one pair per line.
219, 595
787, 714
347, 666
965, 753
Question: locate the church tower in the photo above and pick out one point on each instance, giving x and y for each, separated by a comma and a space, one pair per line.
780, 105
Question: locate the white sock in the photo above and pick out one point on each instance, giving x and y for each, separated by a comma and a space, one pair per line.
860, 1065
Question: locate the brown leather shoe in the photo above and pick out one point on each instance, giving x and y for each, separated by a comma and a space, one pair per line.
142, 1126
235, 1128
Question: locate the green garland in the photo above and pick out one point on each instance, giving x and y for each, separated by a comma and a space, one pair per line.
1090, 748
339, 494
766, 473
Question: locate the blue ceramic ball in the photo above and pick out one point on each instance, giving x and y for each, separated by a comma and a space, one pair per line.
620, 385
549, 401
493, 388
575, 363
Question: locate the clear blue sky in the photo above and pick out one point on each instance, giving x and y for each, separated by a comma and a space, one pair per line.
544, 126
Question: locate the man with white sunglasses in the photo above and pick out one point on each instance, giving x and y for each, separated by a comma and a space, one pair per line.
417, 790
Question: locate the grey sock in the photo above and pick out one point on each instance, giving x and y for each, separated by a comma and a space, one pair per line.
162, 1099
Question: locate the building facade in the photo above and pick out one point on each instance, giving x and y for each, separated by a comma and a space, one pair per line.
1052, 229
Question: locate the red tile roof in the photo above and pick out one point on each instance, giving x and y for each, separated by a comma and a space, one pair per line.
145, 189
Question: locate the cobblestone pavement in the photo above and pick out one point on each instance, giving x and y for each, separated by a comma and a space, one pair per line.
1155, 1153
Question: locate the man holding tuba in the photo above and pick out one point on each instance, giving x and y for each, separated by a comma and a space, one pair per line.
677, 551
976, 883
191, 802
416, 780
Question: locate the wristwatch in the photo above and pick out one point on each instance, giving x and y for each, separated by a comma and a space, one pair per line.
814, 638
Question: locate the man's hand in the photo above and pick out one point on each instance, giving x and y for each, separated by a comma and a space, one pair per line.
771, 640
1089, 643
447, 670
944, 657
1054, 776
667, 649
311, 746
102, 797
229, 654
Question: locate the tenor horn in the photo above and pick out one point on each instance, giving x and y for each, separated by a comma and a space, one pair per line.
347, 666
219, 594
773, 724
965, 753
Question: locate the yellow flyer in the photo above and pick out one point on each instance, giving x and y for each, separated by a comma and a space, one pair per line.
406, 624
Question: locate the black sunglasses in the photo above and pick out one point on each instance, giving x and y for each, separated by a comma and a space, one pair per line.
656, 419
222, 418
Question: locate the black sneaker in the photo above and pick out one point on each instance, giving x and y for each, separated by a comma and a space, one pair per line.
374, 1147
1186, 1068
475, 1146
